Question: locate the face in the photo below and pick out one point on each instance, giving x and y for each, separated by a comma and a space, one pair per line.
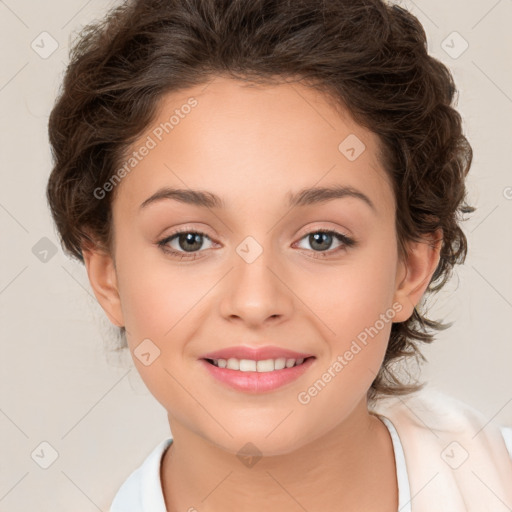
266, 265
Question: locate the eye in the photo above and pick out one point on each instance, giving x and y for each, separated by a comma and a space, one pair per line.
321, 241
184, 243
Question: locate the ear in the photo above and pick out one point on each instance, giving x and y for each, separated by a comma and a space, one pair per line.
414, 274
102, 276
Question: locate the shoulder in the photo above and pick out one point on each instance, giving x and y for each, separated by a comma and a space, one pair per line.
455, 449
142, 490
432, 410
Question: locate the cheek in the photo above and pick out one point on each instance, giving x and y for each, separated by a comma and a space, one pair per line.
352, 297
155, 294
361, 321
355, 313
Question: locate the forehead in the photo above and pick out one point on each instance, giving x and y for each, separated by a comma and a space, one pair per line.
237, 139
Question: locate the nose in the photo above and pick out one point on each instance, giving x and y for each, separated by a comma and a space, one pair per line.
256, 292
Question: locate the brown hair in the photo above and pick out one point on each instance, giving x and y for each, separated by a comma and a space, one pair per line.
366, 55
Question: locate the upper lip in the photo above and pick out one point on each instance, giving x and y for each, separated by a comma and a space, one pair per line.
255, 353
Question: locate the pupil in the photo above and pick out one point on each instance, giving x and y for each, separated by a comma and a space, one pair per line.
193, 241
318, 238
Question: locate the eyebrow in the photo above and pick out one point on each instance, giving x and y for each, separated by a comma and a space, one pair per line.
304, 197
188, 196
315, 195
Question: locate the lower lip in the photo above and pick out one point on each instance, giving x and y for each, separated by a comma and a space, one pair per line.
257, 382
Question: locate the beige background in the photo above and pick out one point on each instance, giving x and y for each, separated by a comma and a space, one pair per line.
58, 383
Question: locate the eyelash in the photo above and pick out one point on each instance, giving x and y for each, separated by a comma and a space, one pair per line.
346, 241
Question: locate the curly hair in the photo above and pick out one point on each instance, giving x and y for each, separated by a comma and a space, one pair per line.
367, 56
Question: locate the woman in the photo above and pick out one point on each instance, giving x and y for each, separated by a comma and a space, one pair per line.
262, 194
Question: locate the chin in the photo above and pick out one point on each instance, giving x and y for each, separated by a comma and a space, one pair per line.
259, 443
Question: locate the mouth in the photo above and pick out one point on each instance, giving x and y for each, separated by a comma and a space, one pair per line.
258, 371
260, 366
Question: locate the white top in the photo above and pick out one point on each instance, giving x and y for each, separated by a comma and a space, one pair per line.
142, 490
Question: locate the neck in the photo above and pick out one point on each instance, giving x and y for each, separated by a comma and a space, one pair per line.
350, 468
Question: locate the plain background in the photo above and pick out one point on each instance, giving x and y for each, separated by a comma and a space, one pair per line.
59, 383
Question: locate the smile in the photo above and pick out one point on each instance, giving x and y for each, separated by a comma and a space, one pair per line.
251, 365
256, 376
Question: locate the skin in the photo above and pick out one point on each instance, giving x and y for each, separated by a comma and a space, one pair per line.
252, 146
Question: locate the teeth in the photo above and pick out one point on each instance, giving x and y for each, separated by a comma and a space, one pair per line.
233, 364
249, 365
280, 363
